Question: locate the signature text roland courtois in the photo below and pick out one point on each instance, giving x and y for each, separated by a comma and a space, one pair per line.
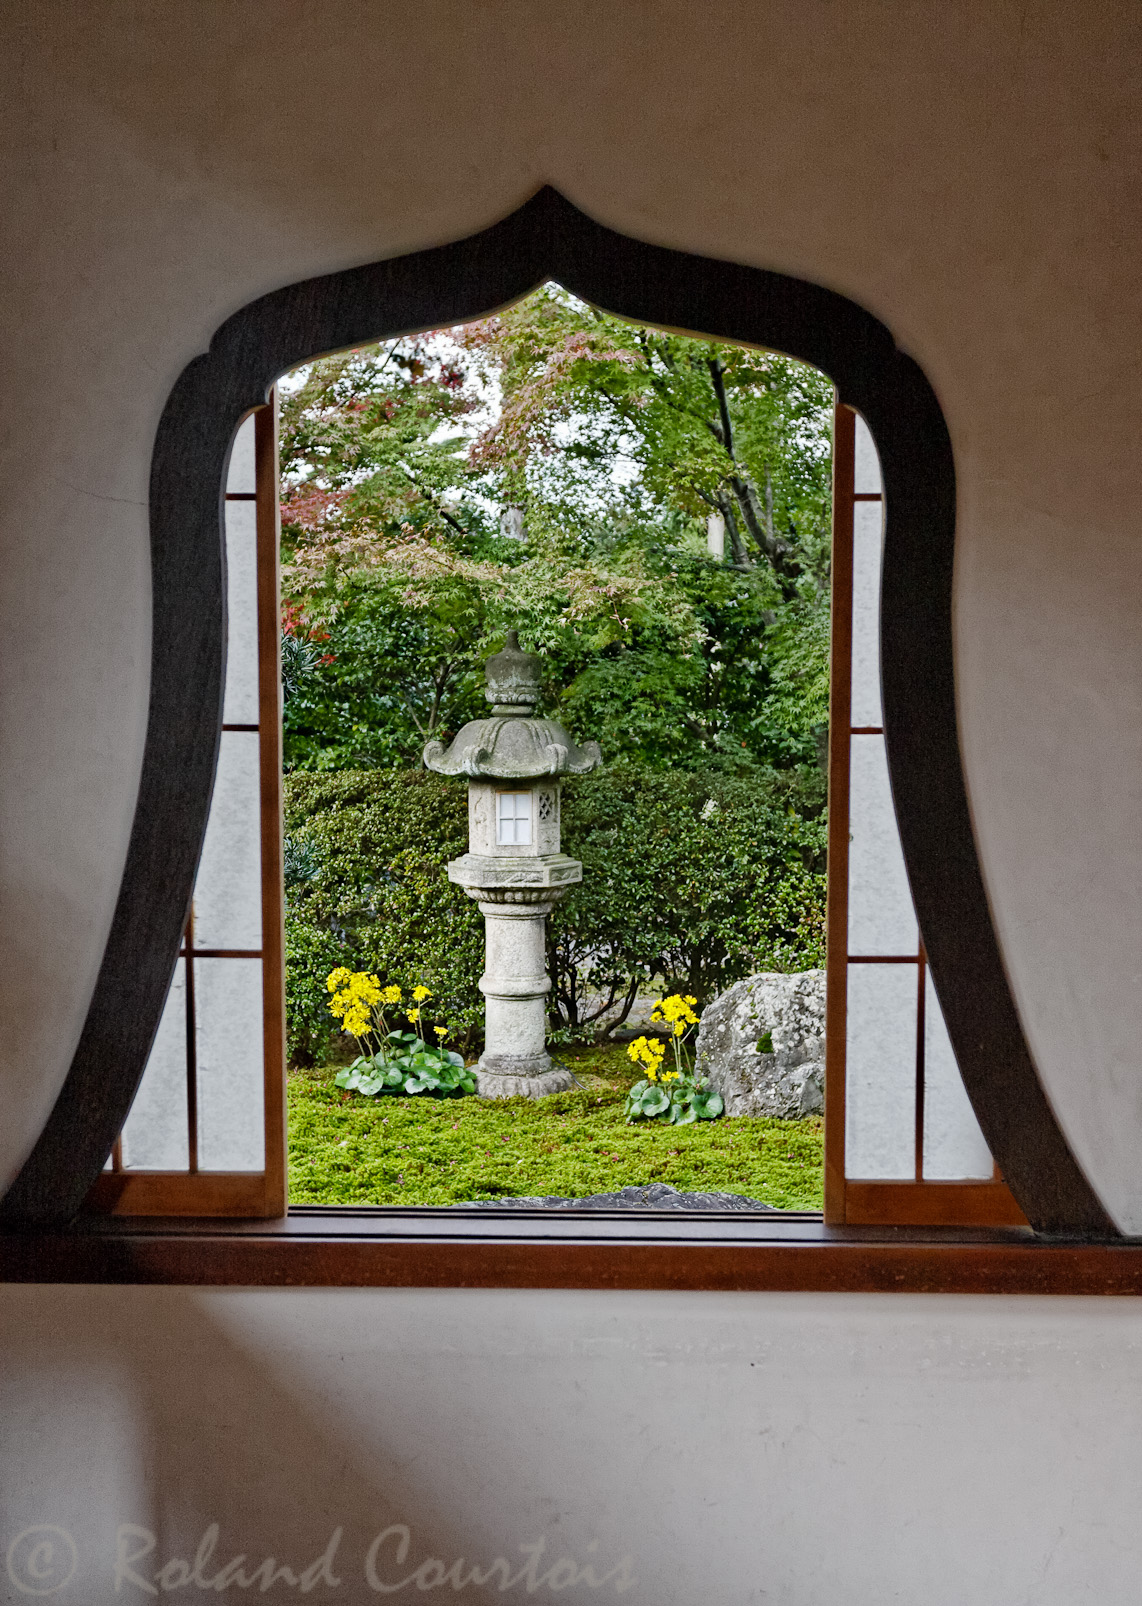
43, 1560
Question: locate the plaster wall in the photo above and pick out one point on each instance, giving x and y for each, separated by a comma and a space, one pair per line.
741, 1447
970, 174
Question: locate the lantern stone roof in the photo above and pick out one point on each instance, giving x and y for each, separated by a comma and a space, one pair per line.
507, 749
513, 744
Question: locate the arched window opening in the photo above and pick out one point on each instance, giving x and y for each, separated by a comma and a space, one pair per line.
206, 1128
549, 239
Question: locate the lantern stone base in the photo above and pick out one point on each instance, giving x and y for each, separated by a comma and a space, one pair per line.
492, 1084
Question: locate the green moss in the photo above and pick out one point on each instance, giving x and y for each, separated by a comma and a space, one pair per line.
345, 1149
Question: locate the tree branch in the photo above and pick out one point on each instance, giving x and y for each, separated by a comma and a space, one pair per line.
434, 501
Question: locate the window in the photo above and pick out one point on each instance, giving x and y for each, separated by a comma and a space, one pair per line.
548, 237
206, 1131
902, 1141
513, 819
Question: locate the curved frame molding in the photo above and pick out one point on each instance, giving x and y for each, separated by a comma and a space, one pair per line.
550, 238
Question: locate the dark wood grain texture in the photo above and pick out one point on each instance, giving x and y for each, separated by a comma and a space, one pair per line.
837, 907
549, 238
796, 1256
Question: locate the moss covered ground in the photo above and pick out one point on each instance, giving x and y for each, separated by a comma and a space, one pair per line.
345, 1149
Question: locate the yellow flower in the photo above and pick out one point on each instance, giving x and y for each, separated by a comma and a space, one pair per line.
441, 1031
676, 1009
420, 993
391, 995
337, 978
414, 1015
647, 1052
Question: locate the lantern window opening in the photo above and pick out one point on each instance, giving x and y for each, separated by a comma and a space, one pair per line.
513, 819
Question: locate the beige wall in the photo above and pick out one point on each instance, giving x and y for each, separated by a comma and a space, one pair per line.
969, 172
794, 1449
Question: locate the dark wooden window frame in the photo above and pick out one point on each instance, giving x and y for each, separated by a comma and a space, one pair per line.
920, 1201
130, 1191
548, 238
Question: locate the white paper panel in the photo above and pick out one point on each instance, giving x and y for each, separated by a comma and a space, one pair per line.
240, 705
228, 892
866, 475
228, 1013
155, 1135
954, 1146
881, 917
867, 548
241, 473
880, 1074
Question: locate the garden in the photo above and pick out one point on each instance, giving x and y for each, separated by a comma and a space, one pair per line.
651, 513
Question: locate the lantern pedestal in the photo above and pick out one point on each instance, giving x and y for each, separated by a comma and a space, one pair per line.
515, 896
515, 986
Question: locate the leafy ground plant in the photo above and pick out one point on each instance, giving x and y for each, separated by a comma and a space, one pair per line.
425, 1151
393, 1061
676, 1096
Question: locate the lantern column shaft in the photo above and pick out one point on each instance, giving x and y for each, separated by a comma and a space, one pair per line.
515, 987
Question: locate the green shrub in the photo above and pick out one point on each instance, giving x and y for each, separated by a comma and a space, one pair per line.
696, 877
699, 878
378, 898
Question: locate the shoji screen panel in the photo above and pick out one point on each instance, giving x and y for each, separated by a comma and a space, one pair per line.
902, 1142
206, 1133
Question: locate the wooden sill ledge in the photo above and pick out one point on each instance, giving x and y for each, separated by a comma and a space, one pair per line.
410, 1248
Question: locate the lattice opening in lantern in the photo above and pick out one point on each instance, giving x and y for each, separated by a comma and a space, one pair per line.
513, 819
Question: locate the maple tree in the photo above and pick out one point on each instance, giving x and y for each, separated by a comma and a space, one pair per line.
553, 468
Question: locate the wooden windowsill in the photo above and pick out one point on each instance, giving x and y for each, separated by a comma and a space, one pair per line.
426, 1248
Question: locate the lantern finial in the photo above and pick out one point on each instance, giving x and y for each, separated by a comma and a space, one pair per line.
513, 678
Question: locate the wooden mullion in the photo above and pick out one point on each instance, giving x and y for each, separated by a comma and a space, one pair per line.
837, 908
270, 769
227, 953
179, 1193
921, 1008
191, 1047
970, 1203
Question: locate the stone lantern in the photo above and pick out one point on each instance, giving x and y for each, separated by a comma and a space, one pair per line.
513, 868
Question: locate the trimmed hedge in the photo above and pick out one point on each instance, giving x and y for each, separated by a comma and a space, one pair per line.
697, 878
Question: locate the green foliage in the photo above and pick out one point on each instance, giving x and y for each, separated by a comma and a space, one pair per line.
417, 1151
612, 444
407, 1065
696, 879
700, 426
379, 899
678, 1103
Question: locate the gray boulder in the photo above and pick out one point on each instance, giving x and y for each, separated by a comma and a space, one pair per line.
761, 1043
